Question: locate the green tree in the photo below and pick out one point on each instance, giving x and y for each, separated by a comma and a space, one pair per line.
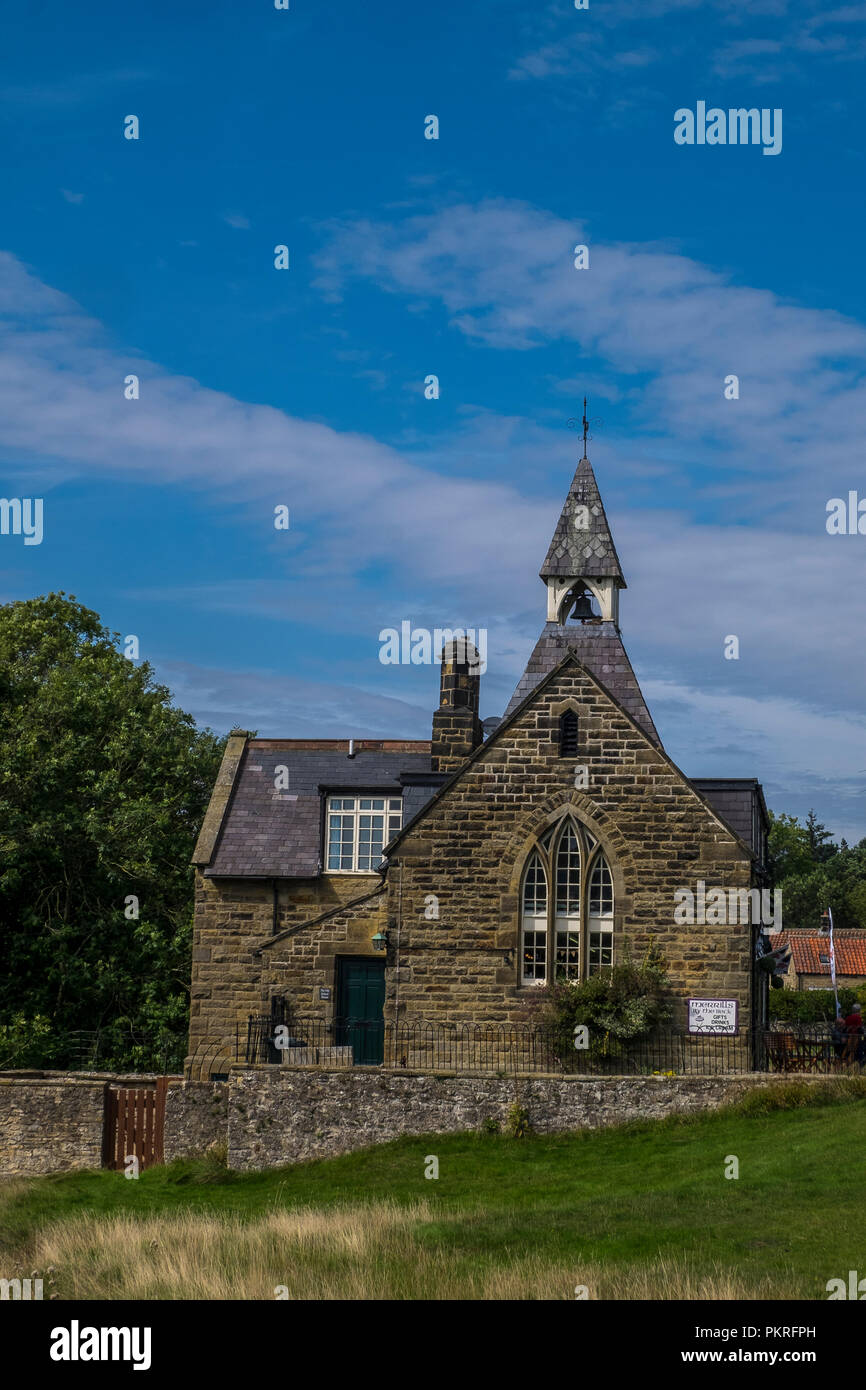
790, 852
103, 786
814, 873
820, 840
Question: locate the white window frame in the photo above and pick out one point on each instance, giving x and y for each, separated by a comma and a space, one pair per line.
567, 907
349, 809
599, 923
581, 922
534, 921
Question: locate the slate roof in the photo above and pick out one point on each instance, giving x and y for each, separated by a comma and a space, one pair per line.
734, 799
808, 947
599, 647
278, 834
591, 552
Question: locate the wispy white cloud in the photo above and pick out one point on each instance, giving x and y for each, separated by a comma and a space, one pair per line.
503, 272
451, 547
787, 40
277, 704
78, 89
733, 735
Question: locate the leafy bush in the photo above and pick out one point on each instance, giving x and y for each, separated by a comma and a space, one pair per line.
26, 1042
618, 1008
517, 1123
812, 1005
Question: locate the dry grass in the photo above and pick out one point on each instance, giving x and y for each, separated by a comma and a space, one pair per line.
356, 1253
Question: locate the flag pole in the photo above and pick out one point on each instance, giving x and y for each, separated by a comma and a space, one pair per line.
833, 961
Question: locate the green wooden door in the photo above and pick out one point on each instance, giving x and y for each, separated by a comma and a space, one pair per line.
360, 1006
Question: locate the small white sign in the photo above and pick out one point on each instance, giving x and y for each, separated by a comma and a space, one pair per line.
713, 1015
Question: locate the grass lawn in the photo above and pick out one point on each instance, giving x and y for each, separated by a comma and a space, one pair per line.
637, 1211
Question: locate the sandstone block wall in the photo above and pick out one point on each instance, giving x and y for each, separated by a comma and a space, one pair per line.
469, 851
234, 919
471, 847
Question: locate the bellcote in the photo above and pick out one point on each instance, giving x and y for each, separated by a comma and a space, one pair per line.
582, 570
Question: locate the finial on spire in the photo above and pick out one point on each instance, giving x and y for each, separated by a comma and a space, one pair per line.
586, 424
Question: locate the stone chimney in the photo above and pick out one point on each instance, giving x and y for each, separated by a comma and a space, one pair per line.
457, 730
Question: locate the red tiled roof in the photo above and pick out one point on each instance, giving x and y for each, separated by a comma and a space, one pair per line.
808, 947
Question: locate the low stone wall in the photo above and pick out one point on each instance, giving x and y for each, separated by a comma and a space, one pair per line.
283, 1115
53, 1122
196, 1117
50, 1124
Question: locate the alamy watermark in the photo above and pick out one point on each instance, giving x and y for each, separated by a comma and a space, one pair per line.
846, 518
22, 516
20, 1289
728, 906
736, 126
420, 646
855, 1288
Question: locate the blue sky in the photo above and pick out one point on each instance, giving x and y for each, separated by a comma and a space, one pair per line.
408, 256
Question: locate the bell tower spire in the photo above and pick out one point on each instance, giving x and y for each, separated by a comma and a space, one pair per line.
582, 570
583, 578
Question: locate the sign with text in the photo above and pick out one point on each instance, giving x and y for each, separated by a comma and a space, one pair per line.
713, 1015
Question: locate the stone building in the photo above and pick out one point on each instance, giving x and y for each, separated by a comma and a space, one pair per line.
809, 963
534, 847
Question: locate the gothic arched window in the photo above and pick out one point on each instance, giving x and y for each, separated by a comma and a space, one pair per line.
567, 901
600, 917
568, 904
533, 947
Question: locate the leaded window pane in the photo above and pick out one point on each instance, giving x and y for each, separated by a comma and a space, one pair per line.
568, 874
534, 923
600, 889
579, 922
568, 951
600, 951
600, 935
356, 831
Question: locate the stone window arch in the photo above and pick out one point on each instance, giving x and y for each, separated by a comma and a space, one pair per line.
566, 907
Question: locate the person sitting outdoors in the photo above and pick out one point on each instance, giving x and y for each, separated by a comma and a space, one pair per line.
855, 1045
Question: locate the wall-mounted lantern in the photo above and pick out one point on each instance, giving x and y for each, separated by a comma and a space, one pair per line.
380, 941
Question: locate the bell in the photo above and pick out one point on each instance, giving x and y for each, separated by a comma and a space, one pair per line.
582, 607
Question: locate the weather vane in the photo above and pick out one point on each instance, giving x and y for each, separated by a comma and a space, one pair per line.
585, 422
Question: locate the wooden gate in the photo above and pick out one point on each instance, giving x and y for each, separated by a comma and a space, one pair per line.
134, 1124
